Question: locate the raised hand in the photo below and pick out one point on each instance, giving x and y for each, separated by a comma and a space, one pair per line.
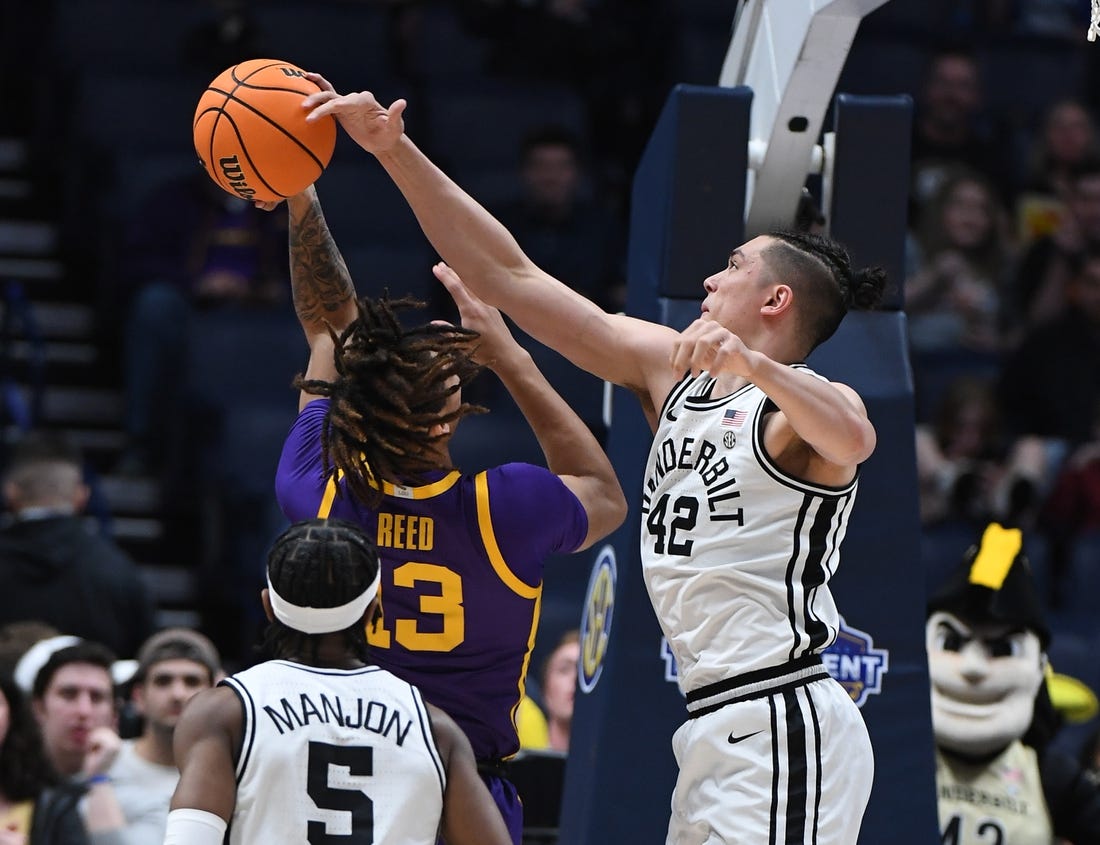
707, 345
103, 748
497, 342
372, 126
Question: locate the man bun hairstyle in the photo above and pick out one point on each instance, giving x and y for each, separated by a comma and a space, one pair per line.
820, 272
391, 388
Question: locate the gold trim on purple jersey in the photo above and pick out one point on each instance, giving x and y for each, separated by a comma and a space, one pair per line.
398, 491
489, 539
510, 579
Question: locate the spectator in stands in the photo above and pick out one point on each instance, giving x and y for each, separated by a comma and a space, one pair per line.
969, 468
1050, 385
963, 262
948, 128
1066, 139
559, 683
73, 701
539, 731
559, 225
191, 246
616, 54
1045, 268
173, 665
54, 565
36, 808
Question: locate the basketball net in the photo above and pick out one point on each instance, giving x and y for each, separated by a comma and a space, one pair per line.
1094, 26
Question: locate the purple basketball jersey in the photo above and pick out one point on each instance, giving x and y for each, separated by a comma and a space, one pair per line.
461, 585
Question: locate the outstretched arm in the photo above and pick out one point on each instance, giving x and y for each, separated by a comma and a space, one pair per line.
323, 292
626, 351
470, 816
572, 452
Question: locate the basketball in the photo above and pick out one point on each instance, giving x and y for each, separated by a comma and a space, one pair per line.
251, 133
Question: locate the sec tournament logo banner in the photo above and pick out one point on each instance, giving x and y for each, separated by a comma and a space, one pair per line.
854, 661
599, 604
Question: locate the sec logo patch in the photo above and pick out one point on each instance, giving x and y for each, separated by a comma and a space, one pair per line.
599, 606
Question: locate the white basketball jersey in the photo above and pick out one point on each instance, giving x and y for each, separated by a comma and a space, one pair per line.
736, 553
1000, 801
331, 755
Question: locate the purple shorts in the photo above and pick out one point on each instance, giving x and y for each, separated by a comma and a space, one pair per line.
506, 797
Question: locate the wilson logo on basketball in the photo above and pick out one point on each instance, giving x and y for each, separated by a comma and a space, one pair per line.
251, 132
234, 175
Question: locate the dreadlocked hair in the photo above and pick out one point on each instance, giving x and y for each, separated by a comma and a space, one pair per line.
319, 563
821, 272
391, 389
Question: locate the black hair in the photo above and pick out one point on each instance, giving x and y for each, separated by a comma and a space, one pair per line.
319, 563
820, 272
390, 389
24, 767
950, 49
550, 135
85, 651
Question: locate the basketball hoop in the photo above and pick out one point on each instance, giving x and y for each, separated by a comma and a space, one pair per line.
1094, 25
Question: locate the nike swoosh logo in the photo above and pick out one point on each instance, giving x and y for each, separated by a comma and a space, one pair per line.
669, 416
733, 740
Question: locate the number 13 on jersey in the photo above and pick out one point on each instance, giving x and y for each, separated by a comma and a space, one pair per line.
445, 604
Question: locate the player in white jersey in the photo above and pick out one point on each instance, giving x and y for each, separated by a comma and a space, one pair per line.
737, 554
775, 750
317, 745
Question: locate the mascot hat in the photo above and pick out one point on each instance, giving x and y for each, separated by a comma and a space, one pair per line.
994, 584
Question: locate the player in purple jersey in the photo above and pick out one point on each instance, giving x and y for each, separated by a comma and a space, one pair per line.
462, 553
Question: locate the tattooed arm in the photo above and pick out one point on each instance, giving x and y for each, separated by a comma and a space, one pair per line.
320, 283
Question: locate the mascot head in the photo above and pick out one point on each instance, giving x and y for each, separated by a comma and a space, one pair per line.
986, 639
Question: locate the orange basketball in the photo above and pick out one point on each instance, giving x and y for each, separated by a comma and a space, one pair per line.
251, 132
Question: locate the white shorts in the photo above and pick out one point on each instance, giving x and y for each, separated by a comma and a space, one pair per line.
794, 765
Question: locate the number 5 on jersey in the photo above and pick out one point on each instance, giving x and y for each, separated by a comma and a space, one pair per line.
349, 761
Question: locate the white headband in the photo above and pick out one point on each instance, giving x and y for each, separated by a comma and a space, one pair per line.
322, 620
36, 657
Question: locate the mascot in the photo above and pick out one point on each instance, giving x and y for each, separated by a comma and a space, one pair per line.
997, 781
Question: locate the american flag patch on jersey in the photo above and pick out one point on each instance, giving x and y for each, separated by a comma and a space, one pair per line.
734, 418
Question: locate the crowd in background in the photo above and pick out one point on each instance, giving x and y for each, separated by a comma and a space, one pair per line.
1002, 274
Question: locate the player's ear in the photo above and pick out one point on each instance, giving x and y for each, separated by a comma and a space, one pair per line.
265, 599
780, 300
